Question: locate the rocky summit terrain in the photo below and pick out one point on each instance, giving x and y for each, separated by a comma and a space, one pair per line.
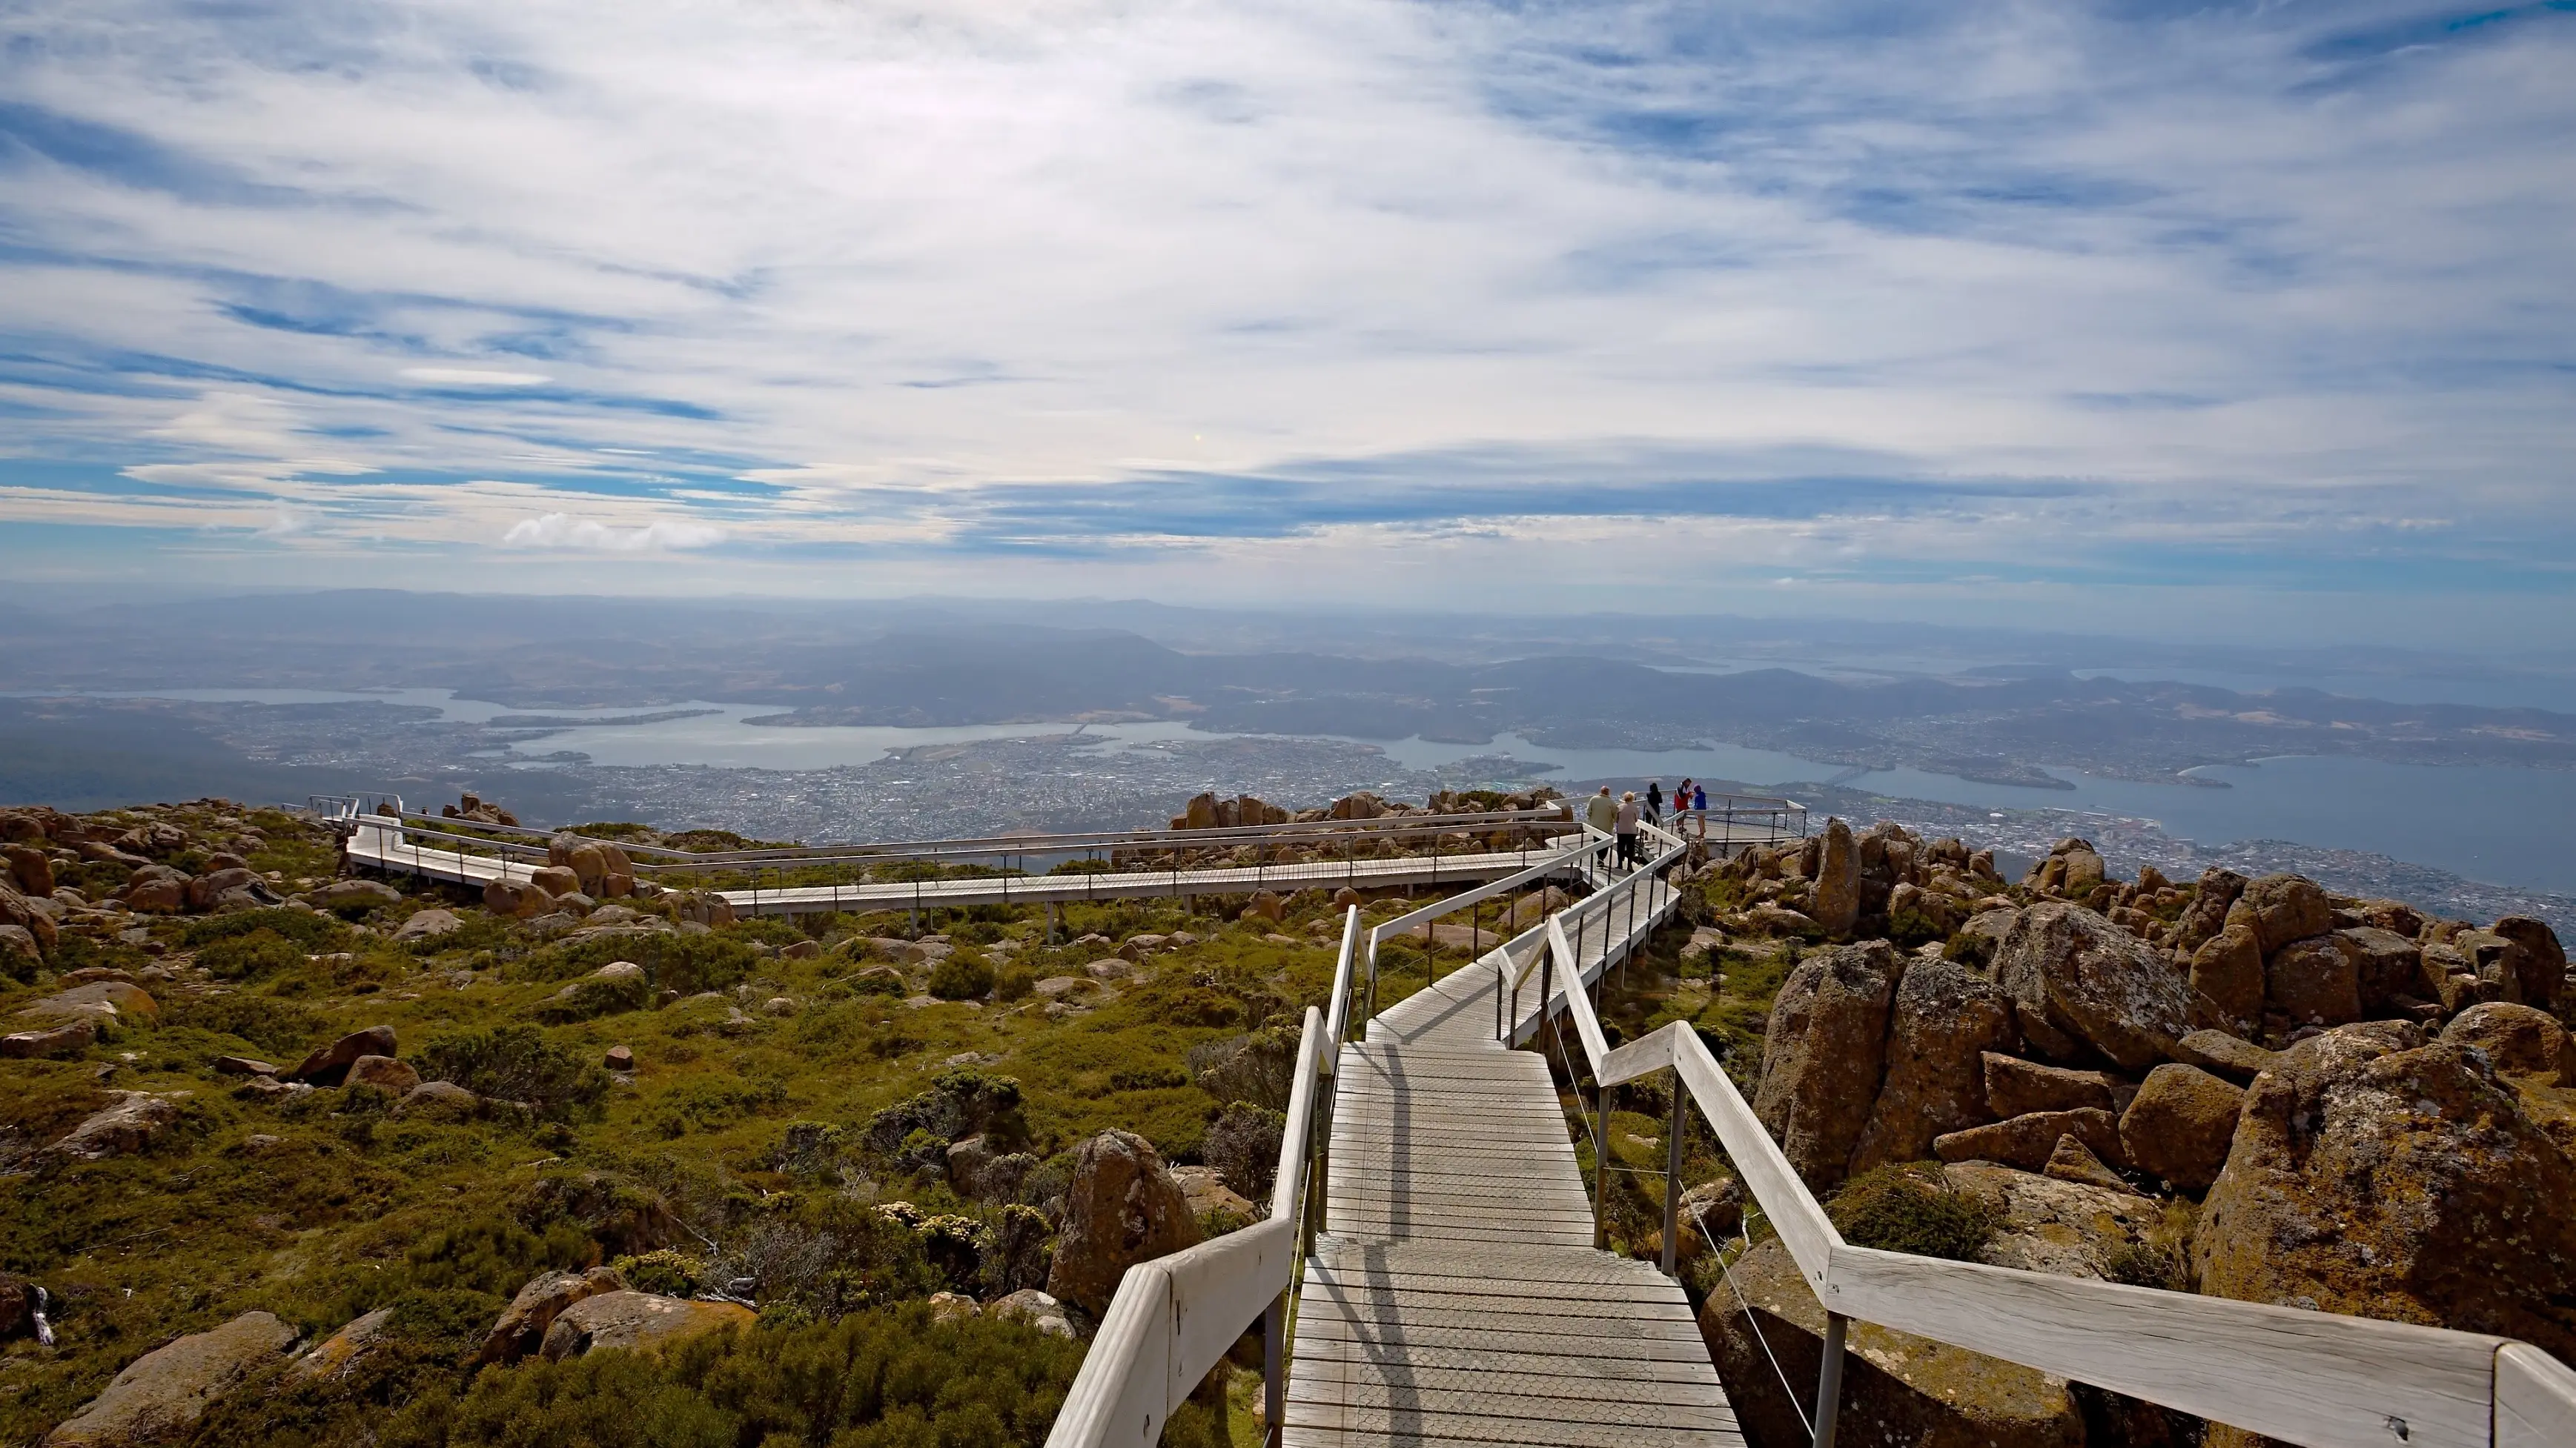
2245, 1088
296, 1155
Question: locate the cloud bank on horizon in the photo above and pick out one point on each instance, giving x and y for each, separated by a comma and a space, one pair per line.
2096, 308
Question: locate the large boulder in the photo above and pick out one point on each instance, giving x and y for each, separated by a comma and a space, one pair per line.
329, 1065
2521, 1040
1824, 1055
165, 1391
31, 868
342, 1352
2313, 982
384, 1073
2283, 908
18, 910
638, 1322
427, 925
2541, 964
1943, 1021
2081, 985
2206, 915
2227, 978
1121, 1208
2386, 965
1897, 1388
2181, 1124
105, 1004
2028, 1141
2374, 1176
2049, 1224
1835, 903
516, 899
521, 1328
137, 1118
2015, 1087
68, 1039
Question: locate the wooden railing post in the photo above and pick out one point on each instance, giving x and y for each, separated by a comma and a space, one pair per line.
1274, 1371
1673, 1179
1600, 1164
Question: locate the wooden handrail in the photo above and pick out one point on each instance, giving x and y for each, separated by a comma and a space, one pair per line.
2320, 1379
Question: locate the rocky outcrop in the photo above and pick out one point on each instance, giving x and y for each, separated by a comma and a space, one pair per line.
638, 1322
2375, 1176
163, 1392
2283, 908
1943, 1021
1121, 1208
2227, 978
2181, 1125
2540, 962
2028, 1141
428, 925
1824, 1055
2221, 1054
64, 1040
2206, 915
2049, 1224
123, 1129
522, 1327
2521, 1040
329, 1065
2082, 985
2015, 1087
341, 1353
2313, 982
516, 899
1835, 903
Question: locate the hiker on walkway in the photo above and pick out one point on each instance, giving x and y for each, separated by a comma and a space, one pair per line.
1681, 807
1699, 806
1626, 827
1654, 801
1601, 811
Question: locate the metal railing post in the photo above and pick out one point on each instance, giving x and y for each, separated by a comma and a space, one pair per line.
1600, 1166
1274, 1370
1829, 1380
1673, 1179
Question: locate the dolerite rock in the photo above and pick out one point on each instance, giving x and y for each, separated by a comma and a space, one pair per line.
329, 1065
427, 925
1824, 1055
2015, 1087
340, 894
1897, 1388
2206, 915
2227, 978
106, 1004
2221, 1054
638, 1322
2050, 1224
2519, 1040
522, 1327
439, 1098
515, 899
2181, 1124
1121, 1208
2407, 1183
2283, 908
2028, 1141
2542, 964
1943, 1021
137, 1118
554, 880
2073, 1161
383, 1073
1836, 901
1038, 1310
18, 910
31, 868
69, 1039
163, 1392
156, 890
2314, 982
2385, 964
2079, 981
2084, 872
335, 1356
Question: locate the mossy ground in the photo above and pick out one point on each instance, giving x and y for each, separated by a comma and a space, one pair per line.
331, 1206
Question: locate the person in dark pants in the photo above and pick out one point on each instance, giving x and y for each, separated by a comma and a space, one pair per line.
1654, 801
1626, 830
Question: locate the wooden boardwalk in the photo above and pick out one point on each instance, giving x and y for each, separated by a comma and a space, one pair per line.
1455, 1297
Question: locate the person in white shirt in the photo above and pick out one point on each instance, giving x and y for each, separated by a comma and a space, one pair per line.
1625, 827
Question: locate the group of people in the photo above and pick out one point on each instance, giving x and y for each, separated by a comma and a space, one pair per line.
1620, 818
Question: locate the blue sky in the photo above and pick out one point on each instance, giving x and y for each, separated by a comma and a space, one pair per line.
2208, 320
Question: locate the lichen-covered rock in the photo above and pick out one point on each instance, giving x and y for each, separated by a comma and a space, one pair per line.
2073, 1161
1824, 1055
1038, 1310
329, 1065
516, 899
384, 1073
2227, 978
2375, 1177
2385, 964
105, 1004
163, 1392
2314, 982
137, 1118
2015, 1087
69, 1039
1943, 1021
1122, 1208
2079, 982
2523, 1040
2221, 1054
2050, 1224
344, 1350
2206, 915
439, 1098
2283, 908
2541, 965
428, 925
1905, 1389
521, 1328
2181, 1124
1835, 904
2027, 1141
638, 1322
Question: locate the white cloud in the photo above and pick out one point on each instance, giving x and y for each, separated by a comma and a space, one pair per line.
560, 531
470, 377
